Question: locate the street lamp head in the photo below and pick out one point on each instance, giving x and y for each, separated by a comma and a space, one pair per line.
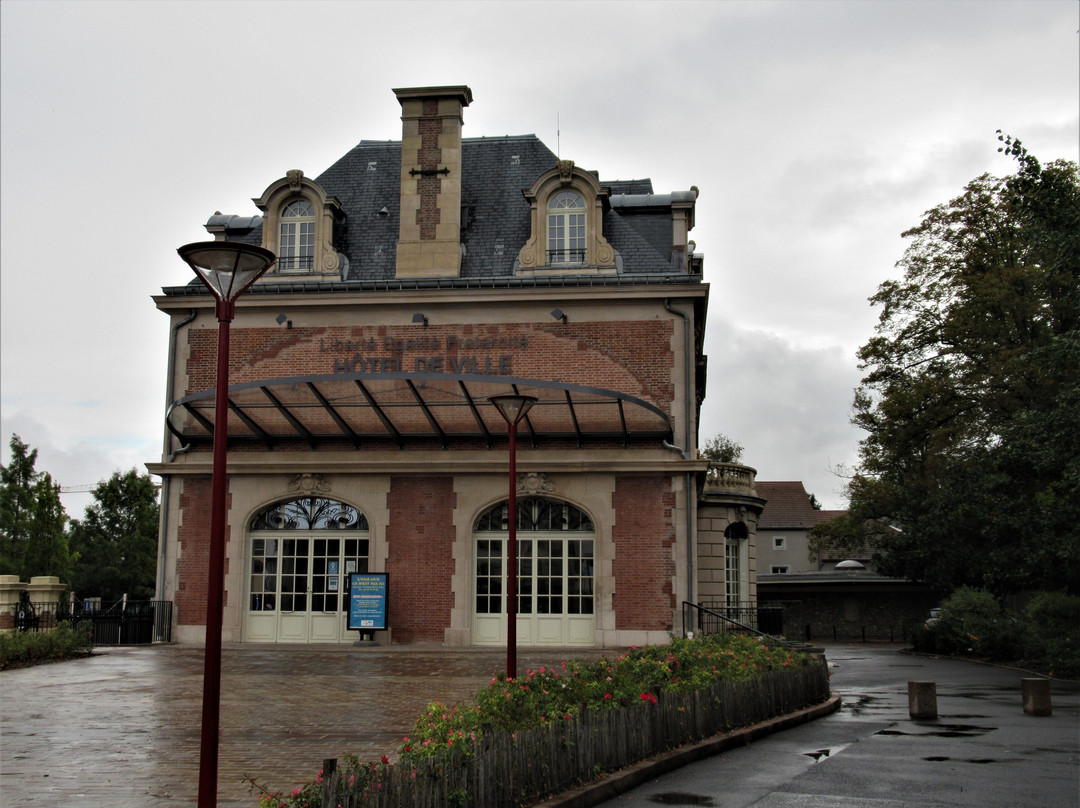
227, 268
512, 407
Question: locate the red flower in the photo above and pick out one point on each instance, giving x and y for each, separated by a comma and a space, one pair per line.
385, 759
648, 697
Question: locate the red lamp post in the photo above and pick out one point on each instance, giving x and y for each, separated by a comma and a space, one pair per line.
227, 268
512, 408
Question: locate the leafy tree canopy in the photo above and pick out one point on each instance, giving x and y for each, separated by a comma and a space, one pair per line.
32, 519
722, 449
971, 398
117, 539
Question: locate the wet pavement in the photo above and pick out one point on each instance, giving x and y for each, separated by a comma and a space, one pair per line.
122, 728
982, 750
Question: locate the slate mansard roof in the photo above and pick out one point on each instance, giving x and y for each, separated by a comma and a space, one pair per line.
495, 221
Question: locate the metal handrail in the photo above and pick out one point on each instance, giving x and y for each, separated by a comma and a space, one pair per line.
688, 620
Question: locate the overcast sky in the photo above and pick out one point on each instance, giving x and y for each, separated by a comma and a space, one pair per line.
816, 132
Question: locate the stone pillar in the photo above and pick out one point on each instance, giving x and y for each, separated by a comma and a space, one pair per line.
922, 700
45, 592
1036, 696
10, 587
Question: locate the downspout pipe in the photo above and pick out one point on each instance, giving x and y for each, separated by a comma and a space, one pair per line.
687, 443
166, 481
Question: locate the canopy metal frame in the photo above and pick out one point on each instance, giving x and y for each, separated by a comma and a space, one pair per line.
454, 408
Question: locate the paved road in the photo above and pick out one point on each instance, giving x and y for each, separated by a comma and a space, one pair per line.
121, 729
982, 751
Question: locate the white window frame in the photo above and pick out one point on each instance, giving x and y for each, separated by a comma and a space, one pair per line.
567, 229
779, 543
296, 237
732, 573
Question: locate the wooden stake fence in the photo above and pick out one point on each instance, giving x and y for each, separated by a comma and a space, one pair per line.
507, 769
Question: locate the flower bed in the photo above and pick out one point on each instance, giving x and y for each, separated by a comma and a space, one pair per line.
533, 736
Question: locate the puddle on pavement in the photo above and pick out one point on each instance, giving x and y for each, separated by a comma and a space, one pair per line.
679, 798
856, 705
942, 759
962, 717
942, 731
824, 754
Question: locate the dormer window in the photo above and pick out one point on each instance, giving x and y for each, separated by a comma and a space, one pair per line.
298, 227
296, 238
566, 229
566, 222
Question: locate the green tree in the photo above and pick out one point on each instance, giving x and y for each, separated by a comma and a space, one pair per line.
48, 552
116, 540
32, 519
722, 449
971, 398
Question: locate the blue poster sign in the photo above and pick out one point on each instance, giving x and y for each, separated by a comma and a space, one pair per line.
367, 601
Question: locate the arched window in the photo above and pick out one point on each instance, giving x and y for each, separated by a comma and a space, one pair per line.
302, 552
566, 228
734, 535
296, 237
566, 223
555, 570
536, 513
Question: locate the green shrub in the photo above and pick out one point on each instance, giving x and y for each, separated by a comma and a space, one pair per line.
30, 648
973, 622
1053, 620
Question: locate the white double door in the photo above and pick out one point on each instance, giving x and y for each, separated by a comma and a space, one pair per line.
555, 600
297, 587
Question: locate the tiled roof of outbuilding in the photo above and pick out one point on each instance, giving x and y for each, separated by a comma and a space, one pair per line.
787, 506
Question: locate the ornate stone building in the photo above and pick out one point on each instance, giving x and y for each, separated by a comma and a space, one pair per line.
414, 280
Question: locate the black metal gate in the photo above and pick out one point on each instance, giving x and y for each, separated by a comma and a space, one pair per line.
137, 622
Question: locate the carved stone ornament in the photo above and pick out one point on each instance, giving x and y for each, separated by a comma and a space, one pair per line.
309, 484
294, 176
566, 171
533, 483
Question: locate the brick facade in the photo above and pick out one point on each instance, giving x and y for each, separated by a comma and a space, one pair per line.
632, 357
643, 565
193, 535
420, 566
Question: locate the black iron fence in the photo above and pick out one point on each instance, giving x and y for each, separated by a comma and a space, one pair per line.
136, 622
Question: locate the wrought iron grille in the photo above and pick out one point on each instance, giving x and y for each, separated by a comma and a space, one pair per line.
310, 513
536, 513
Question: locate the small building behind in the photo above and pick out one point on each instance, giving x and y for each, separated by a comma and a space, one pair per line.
835, 595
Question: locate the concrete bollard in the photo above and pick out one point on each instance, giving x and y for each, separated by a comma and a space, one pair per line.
922, 699
1036, 695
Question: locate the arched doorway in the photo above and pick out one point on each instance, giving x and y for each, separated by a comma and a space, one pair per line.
300, 554
555, 557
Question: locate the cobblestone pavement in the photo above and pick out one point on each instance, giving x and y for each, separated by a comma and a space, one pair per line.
122, 728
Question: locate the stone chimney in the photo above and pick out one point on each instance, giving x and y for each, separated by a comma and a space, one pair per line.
429, 242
